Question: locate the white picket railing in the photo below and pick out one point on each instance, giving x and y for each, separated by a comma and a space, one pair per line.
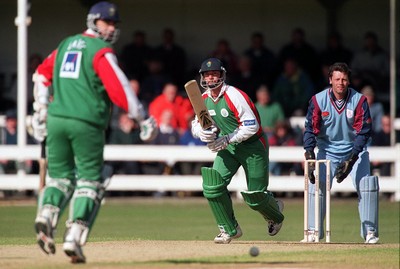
174, 154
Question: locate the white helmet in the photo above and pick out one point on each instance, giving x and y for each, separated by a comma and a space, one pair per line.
103, 11
212, 64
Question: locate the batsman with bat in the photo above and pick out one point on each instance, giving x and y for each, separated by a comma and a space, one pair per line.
238, 139
85, 78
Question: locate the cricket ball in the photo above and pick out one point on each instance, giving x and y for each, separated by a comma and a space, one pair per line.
254, 251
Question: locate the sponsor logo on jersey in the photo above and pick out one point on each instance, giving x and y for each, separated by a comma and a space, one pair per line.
249, 122
224, 113
71, 64
212, 112
325, 114
349, 113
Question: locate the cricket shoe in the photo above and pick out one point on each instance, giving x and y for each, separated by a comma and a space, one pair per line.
45, 234
273, 227
310, 237
72, 242
371, 238
224, 238
74, 251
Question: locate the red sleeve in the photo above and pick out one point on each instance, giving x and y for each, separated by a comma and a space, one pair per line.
47, 66
110, 75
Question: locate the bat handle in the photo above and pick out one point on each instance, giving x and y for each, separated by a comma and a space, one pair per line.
43, 149
42, 165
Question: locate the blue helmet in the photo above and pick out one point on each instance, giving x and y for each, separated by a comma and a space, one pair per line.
103, 11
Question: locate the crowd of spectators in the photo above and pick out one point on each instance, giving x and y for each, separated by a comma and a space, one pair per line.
280, 84
293, 74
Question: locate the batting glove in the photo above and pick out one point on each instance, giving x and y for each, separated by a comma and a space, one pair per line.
211, 146
41, 111
310, 155
208, 135
38, 127
148, 129
343, 169
219, 144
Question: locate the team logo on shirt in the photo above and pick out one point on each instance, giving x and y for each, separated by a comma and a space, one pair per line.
71, 64
349, 113
325, 114
224, 113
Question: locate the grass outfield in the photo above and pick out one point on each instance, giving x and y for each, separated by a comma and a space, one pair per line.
141, 221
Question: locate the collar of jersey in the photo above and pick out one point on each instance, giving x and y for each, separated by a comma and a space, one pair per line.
90, 32
223, 90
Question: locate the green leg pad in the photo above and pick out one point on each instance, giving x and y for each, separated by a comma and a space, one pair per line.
57, 193
264, 203
85, 205
219, 199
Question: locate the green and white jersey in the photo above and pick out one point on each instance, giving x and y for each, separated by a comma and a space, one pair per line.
234, 113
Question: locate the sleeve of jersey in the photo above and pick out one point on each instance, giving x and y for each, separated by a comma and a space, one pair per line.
362, 125
248, 122
42, 79
117, 84
45, 69
312, 125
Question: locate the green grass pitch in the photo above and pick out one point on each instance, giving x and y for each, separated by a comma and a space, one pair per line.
191, 219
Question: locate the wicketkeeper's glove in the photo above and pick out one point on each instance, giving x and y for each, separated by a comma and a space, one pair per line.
310, 155
343, 169
148, 129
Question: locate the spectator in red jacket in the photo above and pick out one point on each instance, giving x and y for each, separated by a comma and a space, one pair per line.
169, 99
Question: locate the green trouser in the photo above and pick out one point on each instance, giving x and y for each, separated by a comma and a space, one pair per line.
253, 157
75, 159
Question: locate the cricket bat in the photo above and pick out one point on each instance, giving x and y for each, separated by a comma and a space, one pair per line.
199, 107
42, 165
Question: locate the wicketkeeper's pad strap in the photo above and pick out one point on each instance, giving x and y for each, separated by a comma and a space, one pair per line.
264, 203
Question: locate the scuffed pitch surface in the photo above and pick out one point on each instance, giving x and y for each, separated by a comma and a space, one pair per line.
165, 254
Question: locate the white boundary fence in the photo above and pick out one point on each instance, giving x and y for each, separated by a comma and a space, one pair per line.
173, 154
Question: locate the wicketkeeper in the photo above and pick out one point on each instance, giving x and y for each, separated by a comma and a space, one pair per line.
85, 78
338, 122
